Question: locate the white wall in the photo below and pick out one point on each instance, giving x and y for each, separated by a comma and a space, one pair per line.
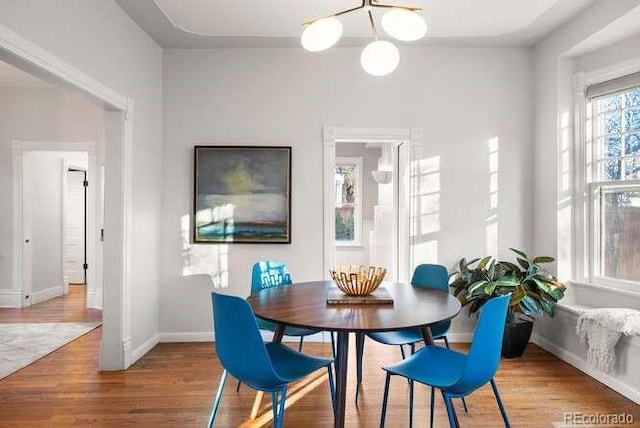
99, 38
460, 97
553, 234
37, 114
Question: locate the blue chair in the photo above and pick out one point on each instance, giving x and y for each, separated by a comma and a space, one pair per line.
268, 274
430, 276
456, 374
265, 367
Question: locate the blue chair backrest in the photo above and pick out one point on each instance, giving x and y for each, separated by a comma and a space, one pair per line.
267, 274
486, 346
434, 277
239, 344
431, 276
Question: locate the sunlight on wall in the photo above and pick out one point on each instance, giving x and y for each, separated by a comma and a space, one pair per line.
209, 259
492, 219
565, 198
425, 209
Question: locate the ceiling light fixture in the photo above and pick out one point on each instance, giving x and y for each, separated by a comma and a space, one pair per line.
379, 57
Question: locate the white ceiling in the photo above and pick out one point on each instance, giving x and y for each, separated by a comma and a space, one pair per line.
240, 23
11, 77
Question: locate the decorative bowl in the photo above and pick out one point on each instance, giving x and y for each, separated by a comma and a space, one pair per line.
358, 280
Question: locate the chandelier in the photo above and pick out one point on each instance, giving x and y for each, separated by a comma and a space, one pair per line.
380, 57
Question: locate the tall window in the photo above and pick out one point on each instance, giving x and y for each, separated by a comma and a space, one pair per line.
348, 203
613, 173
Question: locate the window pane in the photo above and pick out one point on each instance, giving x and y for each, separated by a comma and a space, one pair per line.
612, 123
632, 144
610, 170
611, 103
632, 98
632, 169
632, 119
345, 183
612, 147
620, 234
345, 226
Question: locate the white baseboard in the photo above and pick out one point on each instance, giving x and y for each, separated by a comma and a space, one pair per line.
10, 299
141, 350
582, 365
44, 295
460, 337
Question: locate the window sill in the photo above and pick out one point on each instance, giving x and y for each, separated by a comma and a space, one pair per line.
622, 289
346, 246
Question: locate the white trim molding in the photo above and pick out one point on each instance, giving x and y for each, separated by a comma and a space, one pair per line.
44, 295
10, 299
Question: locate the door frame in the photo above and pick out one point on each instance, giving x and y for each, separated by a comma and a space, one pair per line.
115, 346
404, 139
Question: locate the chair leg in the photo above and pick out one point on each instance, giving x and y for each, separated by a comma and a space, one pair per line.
433, 401
451, 413
300, 345
283, 398
402, 352
410, 404
384, 400
332, 388
446, 342
238, 386
216, 403
502, 410
413, 348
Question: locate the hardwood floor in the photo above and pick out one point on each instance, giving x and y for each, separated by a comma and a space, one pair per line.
69, 308
174, 386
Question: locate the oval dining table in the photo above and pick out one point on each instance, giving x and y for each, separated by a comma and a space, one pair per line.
305, 305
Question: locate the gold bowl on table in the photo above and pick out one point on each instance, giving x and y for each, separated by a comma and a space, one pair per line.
358, 280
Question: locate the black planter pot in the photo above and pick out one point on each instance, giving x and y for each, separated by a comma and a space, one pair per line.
516, 337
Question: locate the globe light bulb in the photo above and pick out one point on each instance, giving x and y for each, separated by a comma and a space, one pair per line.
321, 34
380, 58
403, 24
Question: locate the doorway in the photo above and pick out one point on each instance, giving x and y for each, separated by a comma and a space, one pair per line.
116, 156
377, 160
75, 252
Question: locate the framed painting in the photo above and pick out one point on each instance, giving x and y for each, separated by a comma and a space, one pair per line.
242, 194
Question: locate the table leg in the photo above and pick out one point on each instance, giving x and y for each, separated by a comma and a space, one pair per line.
278, 333
341, 377
426, 335
359, 352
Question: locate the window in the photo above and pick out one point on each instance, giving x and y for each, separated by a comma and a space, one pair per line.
348, 202
613, 175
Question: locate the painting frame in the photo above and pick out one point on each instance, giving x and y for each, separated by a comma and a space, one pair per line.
241, 194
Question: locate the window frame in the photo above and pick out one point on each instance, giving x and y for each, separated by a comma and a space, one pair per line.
357, 162
592, 186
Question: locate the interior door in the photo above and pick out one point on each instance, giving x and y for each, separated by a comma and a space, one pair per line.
75, 242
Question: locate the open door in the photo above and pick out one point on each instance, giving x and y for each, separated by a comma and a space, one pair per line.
76, 221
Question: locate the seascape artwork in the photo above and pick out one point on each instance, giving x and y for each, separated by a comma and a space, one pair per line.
242, 194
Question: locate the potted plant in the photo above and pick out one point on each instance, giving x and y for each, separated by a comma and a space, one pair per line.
533, 293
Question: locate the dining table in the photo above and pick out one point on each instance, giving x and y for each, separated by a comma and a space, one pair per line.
304, 305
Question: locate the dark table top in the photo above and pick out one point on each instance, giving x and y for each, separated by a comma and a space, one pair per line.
305, 305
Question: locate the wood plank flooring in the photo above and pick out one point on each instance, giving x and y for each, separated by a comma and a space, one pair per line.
174, 385
69, 308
